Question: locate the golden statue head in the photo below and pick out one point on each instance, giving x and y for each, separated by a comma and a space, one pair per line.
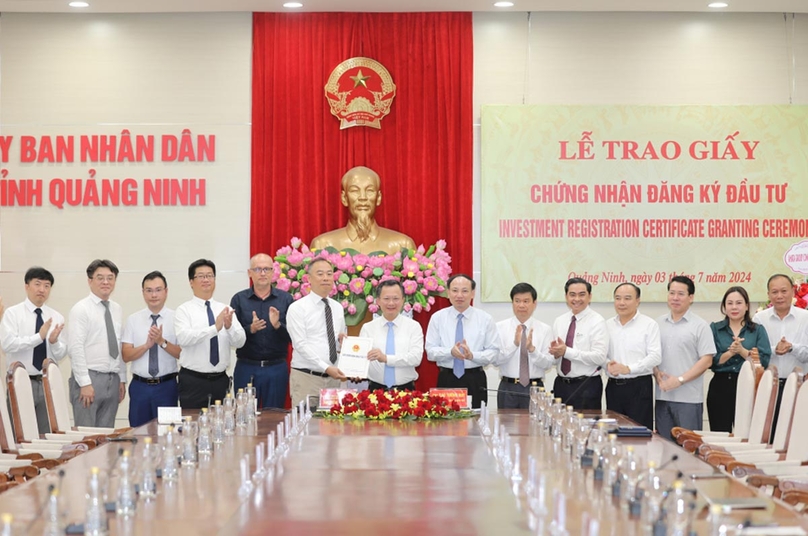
361, 194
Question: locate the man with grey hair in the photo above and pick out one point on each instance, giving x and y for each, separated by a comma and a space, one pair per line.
98, 383
262, 309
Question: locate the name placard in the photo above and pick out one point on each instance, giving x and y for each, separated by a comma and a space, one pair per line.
452, 395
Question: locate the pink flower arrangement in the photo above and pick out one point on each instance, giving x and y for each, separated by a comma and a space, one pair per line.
423, 273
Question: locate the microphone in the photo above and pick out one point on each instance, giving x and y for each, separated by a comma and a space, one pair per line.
667, 463
41, 509
587, 459
581, 386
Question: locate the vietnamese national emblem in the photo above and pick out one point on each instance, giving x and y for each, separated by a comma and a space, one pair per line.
360, 92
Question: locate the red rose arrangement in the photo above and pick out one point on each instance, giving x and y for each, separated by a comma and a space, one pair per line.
394, 404
801, 295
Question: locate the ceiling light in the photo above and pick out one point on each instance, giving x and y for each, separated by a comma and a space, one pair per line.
293, 5
79, 4
503, 4
717, 5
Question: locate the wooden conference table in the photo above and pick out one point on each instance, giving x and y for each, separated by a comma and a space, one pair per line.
364, 477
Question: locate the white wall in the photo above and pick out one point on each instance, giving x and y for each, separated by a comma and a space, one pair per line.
152, 74
632, 58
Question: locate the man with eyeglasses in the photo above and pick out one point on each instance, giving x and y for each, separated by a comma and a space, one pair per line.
29, 333
262, 359
206, 329
149, 343
98, 383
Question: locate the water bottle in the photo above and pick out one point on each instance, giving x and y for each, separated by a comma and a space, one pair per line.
190, 432
148, 471
241, 409
204, 443
126, 500
677, 507
170, 470
229, 415
629, 469
610, 457
55, 523
252, 403
95, 519
650, 493
217, 423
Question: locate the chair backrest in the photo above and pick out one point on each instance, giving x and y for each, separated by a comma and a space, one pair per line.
790, 390
798, 440
21, 399
56, 397
765, 400
744, 400
6, 431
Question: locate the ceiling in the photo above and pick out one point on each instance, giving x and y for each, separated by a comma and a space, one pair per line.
163, 6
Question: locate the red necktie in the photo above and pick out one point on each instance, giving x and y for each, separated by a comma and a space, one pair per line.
566, 364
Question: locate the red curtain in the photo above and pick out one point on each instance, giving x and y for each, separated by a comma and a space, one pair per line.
423, 151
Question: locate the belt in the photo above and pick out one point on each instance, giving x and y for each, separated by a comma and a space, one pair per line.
577, 379
624, 381
36, 378
155, 381
307, 371
533, 381
468, 370
257, 363
204, 375
727, 375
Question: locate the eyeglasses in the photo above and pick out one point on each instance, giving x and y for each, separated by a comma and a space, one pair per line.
157, 290
103, 278
261, 270
204, 276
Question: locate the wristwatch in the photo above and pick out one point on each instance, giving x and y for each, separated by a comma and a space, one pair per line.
164, 345
681, 380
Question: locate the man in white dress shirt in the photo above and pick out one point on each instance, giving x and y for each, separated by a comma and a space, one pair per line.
524, 350
634, 351
787, 327
29, 333
580, 346
398, 341
149, 343
98, 383
206, 330
316, 324
462, 339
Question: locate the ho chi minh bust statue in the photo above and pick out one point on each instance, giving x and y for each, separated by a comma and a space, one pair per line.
361, 194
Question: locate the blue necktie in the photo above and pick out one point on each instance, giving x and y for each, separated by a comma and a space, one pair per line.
40, 350
154, 367
214, 342
459, 367
390, 349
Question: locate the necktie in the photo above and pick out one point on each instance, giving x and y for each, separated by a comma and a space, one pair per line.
112, 340
214, 342
390, 349
566, 364
154, 367
524, 365
329, 331
459, 367
40, 350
